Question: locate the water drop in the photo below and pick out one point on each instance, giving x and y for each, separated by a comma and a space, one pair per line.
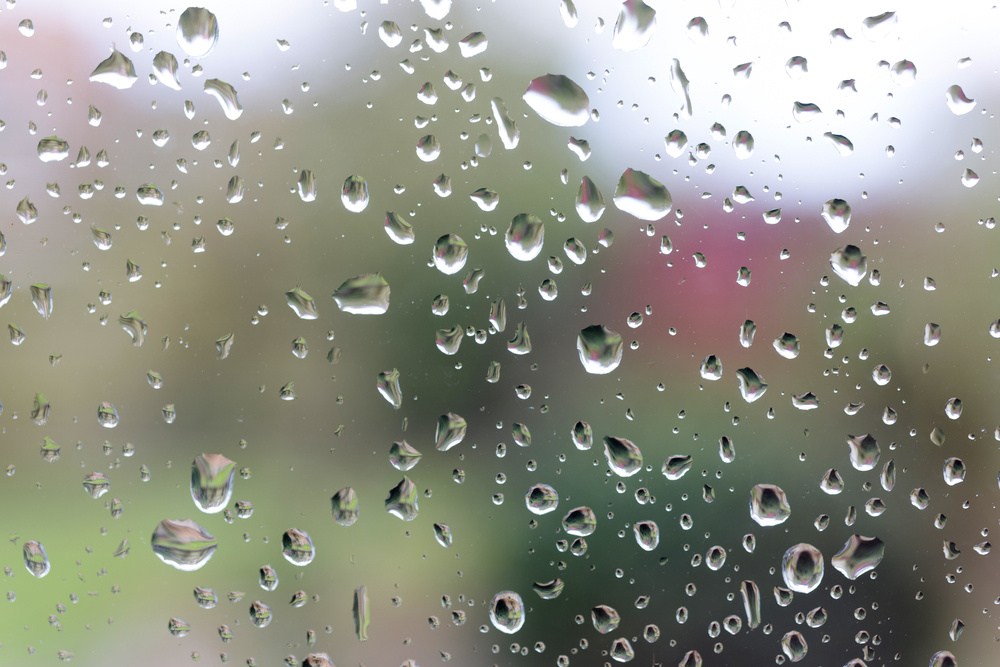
507, 612
589, 201
212, 482
345, 506
559, 100
647, 535
858, 556
226, 96
52, 149
752, 386
35, 559
769, 505
642, 196
634, 27
848, 262
794, 646
802, 568
297, 547
301, 304
354, 194
958, 101
183, 544
116, 70
623, 456
525, 237
367, 294
450, 254
580, 522
197, 31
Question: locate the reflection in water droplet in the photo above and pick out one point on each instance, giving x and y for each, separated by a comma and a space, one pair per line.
520, 344
769, 505
107, 415
903, 73
849, 263
485, 198
197, 31
510, 135
297, 547
354, 194
752, 386
226, 96
600, 349
580, 522
402, 500
116, 70
787, 345
837, 214
212, 482
635, 25
623, 456
345, 506
943, 659
589, 201
367, 294
802, 568
507, 612
301, 303
52, 149
399, 230
541, 499
641, 195
260, 614
183, 544
442, 533
954, 471
647, 534
953, 408
559, 100
676, 466
525, 237
268, 578
858, 556
165, 69
865, 451
450, 254
743, 145
35, 559
583, 436
549, 590
388, 385
794, 646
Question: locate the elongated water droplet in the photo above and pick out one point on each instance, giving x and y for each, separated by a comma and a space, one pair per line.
362, 616
212, 482
399, 230
345, 506
647, 535
35, 559
623, 456
589, 201
794, 645
604, 618
41, 298
600, 349
402, 500
450, 431
510, 135
354, 194
388, 386
837, 214
107, 415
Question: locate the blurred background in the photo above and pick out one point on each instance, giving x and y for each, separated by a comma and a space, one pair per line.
342, 89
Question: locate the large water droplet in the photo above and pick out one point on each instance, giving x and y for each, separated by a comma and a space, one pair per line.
227, 97
837, 214
559, 100
623, 456
450, 431
507, 612
635, 26
752, 386
676, 466
115, 70
345, 506
35, 559
642, 196
301, 303
858, 556
399, 230
865, 451
711, 368
165, 69
197, 31
794, 646
402, 500
212, 482
802, 568
354, 194
541, 499
183, 544
52, 149
589, 201
600, 349
647, 535
367, 294
954, 471
450, 254
297, 547
260, 614
849, 263
769, 505
525, 237
107, 415
579, 522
